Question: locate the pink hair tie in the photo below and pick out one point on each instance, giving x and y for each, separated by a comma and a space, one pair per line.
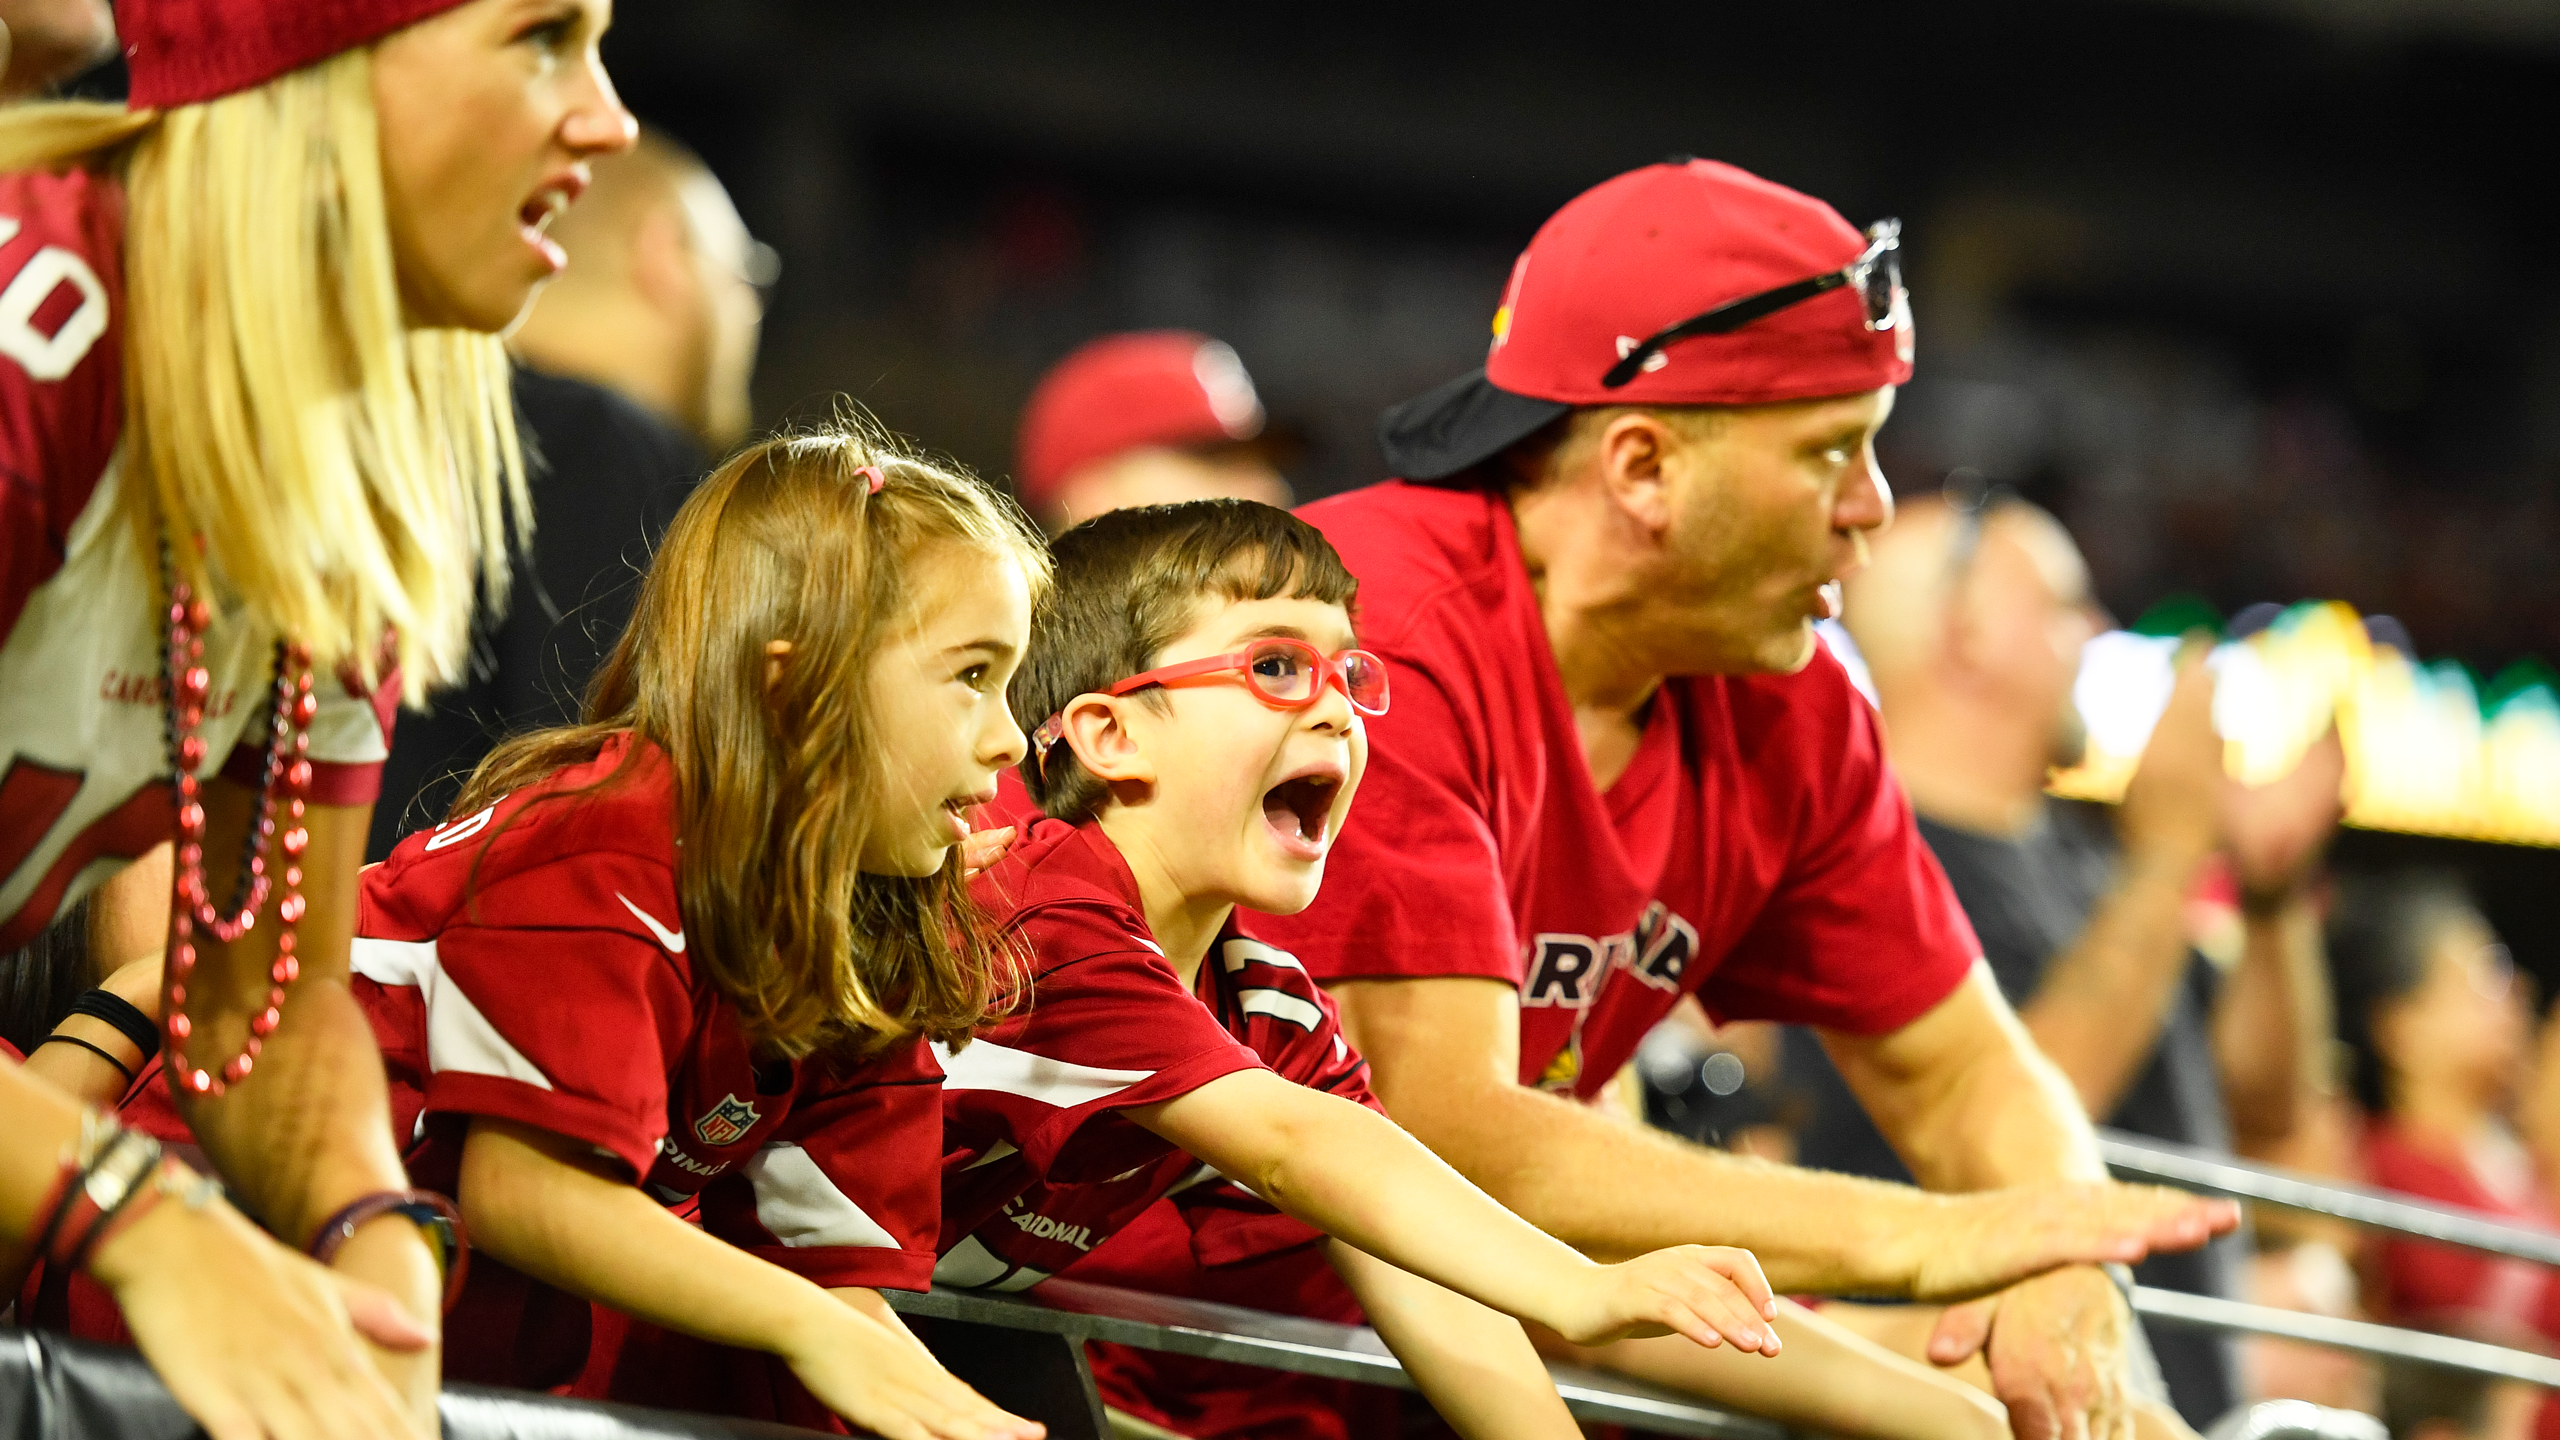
873, 472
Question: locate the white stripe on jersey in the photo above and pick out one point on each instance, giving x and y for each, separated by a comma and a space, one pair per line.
802, 1207
972, 1266
1240, 952
986, 1065
1281, 1005
460, 1039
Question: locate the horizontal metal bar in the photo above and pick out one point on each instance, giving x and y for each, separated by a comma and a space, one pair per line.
2211, 1313
1306, 1347
2194, 1169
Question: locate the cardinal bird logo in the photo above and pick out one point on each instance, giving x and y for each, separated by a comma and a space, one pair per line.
728, 1120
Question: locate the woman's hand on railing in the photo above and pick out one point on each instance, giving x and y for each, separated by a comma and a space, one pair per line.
254, 1341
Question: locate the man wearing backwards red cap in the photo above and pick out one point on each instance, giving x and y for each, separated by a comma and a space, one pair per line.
1148, 418
1619, 772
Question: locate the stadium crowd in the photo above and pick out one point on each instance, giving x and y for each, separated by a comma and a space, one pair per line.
809, 870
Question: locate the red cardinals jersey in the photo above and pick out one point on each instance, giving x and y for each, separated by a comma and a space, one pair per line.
84, 758
553, 988
1039, 1165
1758, 850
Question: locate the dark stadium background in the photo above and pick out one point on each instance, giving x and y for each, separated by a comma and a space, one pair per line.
2259, 295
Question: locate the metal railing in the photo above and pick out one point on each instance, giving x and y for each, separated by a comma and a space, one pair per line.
1076, 1312
2189, 1168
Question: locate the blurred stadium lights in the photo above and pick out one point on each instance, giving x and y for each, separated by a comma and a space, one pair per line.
2429, 750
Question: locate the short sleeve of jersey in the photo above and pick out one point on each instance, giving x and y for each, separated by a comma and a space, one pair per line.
61, 365
543, 1005
1414, 884
849, 1190
1292, 1024
350, 738
1863, 934
1108, 1027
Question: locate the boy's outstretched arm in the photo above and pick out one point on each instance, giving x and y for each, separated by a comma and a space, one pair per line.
1475, 1366
1348, 1171
542, 1203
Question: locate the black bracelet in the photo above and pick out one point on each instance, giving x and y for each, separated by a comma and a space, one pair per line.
123, 1014
121, 1067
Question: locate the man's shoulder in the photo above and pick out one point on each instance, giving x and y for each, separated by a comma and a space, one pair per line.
580, 427
1430, 560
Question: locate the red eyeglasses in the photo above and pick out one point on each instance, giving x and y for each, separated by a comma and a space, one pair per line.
1282, 673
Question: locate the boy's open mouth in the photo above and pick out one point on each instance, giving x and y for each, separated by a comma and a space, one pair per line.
1299, 809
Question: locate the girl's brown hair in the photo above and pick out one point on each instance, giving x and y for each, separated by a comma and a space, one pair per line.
777, 789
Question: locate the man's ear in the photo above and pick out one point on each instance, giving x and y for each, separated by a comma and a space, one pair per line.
1632, 452
662, 268
1103, 744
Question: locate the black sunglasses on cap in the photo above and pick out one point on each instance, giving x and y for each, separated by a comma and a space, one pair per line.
1877, 274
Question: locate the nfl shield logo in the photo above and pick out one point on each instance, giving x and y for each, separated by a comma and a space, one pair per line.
728, 1120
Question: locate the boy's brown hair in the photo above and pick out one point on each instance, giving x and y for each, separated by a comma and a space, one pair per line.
778, 784
1130, 583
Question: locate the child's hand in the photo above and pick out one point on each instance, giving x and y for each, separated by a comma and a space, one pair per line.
887, 1384
984, 848
1710, 1293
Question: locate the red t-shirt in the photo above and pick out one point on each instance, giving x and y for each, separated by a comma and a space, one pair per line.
2464, 1292
1757, 851
84, 759
1039, 1166
554, 988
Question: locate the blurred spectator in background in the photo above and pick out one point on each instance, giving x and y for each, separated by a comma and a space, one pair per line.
1149, 418
1971, 620
635, 362
45, 42
2429, 1402
2440, 1027
662, 300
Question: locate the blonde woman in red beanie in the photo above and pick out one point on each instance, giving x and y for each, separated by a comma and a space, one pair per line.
259, 453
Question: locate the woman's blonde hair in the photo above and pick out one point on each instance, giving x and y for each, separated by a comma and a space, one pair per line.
777, 789
350, 474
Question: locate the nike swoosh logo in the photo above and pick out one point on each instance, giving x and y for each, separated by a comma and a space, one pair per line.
672, 939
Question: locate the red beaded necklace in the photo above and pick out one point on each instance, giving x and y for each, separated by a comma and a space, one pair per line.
287, 776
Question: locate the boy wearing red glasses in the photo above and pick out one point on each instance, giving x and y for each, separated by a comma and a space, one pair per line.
1197, 712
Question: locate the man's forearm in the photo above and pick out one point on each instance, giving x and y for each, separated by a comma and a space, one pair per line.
1995, 1115
1613, 1191
2098, 1010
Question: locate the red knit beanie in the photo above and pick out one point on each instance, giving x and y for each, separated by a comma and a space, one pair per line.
182, 52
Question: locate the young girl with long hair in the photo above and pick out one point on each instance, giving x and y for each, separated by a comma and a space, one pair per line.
255, 414
692, 953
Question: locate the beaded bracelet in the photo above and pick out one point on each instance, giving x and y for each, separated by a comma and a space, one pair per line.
100, 1177
425, 1209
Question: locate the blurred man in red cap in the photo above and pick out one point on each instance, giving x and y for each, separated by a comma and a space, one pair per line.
1620, 772
1143, 419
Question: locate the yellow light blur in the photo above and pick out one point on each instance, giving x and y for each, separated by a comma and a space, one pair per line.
2424, 756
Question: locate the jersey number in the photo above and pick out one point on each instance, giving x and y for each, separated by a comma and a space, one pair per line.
49, 357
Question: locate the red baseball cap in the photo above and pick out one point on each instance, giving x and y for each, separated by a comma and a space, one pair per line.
1153, 387
1822, 313
183, 52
